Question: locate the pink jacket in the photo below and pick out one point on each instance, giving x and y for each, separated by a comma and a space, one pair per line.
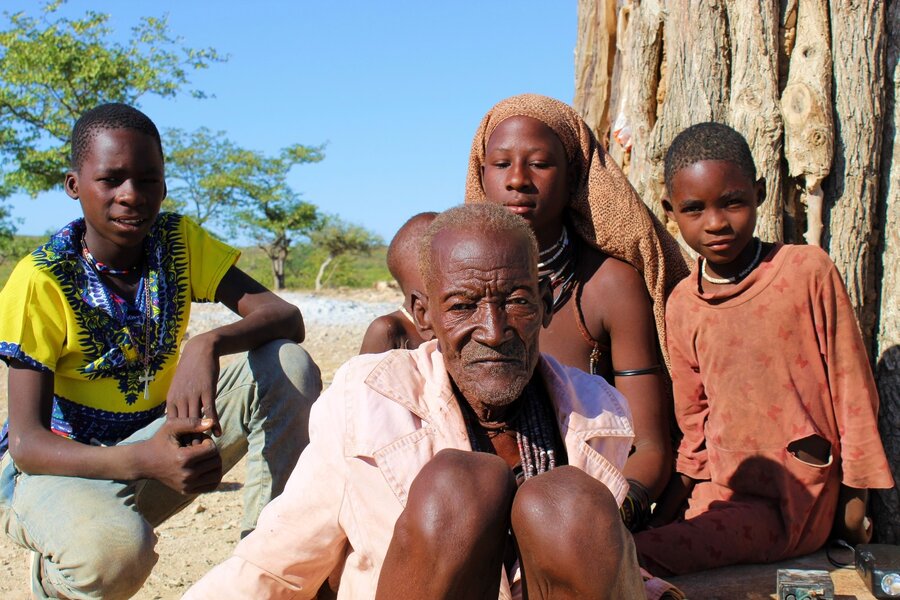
382, 419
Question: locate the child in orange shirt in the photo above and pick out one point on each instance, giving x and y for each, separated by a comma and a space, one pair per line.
397, 329
773, 390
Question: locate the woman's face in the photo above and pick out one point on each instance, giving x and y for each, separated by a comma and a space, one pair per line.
526, 170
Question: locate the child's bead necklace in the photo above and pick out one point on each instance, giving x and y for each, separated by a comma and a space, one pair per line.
739, 276
99, 266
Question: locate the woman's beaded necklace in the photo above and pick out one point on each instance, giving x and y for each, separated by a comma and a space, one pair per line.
724, 280
103, 269
559, 268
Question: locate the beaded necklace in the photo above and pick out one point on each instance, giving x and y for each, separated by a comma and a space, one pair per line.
100, 267
533, 424
722, 281
559, 268
103, 269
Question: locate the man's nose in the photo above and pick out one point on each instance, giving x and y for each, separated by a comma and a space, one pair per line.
492, 329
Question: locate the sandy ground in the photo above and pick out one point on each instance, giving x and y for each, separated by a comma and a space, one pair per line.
205, 533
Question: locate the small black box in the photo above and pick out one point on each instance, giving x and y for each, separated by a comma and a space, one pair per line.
879, 567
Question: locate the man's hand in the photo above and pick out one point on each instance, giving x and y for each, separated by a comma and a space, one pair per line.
170, 458
192, 394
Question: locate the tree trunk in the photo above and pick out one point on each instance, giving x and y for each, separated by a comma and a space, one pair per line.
851, 191
322, 271
806, 105
886, 503
754, 107
593, 62
804, 81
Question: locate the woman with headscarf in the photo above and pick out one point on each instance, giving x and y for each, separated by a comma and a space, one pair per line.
610, 262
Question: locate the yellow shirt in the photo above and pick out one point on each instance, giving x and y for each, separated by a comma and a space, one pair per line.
56, 315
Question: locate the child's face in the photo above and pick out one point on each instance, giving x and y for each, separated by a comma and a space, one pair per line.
714, 204
525, 169
120, 185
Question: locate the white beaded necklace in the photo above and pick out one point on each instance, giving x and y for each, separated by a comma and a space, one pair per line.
739, 276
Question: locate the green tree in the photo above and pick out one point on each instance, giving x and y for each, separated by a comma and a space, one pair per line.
53, 69
204, 173
337, 238
267, 209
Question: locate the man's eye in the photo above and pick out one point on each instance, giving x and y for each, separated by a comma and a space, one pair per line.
462, 306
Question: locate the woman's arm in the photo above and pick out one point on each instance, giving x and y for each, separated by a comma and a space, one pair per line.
37, 450
628, 317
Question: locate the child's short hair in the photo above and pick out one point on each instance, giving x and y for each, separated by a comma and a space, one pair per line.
708, 141
405, 245
108, 116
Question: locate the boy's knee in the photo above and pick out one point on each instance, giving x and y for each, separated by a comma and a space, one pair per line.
112, 560
285, 367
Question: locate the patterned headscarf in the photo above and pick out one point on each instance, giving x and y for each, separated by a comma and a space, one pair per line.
604, 209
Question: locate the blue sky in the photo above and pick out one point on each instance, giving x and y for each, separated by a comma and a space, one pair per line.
394, 88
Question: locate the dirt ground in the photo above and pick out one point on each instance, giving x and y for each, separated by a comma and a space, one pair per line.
211, 523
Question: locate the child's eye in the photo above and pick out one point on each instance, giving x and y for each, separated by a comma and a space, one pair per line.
500, 164
540, 165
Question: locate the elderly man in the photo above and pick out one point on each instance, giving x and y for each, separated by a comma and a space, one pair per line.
471, 467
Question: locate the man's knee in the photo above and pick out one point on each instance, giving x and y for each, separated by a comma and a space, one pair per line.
559, 509
283, 366
460, 496
112, 560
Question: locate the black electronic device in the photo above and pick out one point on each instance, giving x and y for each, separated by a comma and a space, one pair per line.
879, 567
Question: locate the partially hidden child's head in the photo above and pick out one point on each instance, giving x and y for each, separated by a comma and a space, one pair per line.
403, 252
712, 191
117, 173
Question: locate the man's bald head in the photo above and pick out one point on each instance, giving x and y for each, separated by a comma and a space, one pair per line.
489, 220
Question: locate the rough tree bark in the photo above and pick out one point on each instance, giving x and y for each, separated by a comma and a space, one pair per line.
806, 106
804, 81
886, 504
594, 60
851, 191
755, 107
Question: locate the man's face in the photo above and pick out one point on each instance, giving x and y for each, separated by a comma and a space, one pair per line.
486, 309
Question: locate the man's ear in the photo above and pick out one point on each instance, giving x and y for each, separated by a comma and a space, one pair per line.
547, 300
421, 318
71, 185
760, 188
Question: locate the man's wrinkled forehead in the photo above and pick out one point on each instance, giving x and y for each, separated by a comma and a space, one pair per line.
483, 252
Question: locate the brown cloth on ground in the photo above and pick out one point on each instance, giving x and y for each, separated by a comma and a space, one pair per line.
604, 208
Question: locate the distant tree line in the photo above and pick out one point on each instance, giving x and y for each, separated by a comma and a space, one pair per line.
53, 69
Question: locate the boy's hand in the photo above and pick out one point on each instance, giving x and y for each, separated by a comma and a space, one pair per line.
192, 394
186, 468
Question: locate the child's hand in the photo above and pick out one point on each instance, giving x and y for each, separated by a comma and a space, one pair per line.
186, 468
192, 394
850, 521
